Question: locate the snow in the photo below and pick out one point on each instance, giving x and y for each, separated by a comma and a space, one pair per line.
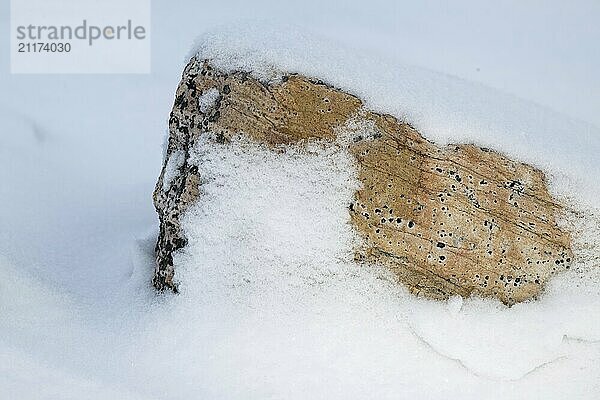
207, 100
175, 161
291, 316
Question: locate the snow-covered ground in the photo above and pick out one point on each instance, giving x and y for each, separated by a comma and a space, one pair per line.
79, 157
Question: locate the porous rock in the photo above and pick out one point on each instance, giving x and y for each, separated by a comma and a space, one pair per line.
453, 220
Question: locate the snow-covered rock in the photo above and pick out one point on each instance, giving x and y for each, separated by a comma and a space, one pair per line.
446, 220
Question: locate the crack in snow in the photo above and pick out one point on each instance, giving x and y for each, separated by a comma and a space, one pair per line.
469, 370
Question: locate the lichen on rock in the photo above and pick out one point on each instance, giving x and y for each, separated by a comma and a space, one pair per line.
447, 220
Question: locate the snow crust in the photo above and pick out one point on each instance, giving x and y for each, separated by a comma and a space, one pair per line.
271, 304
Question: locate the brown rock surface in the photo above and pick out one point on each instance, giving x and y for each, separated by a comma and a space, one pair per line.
446, 220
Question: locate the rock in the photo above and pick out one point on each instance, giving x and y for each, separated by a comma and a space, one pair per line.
454, 220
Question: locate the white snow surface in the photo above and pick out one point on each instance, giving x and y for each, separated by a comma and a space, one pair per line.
271, 304
174, 162
207, 100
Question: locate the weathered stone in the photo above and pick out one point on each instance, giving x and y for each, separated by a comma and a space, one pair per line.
446, 220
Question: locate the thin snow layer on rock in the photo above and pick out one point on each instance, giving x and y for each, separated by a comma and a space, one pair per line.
207, 100
175, 161
443, 108
260, 211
